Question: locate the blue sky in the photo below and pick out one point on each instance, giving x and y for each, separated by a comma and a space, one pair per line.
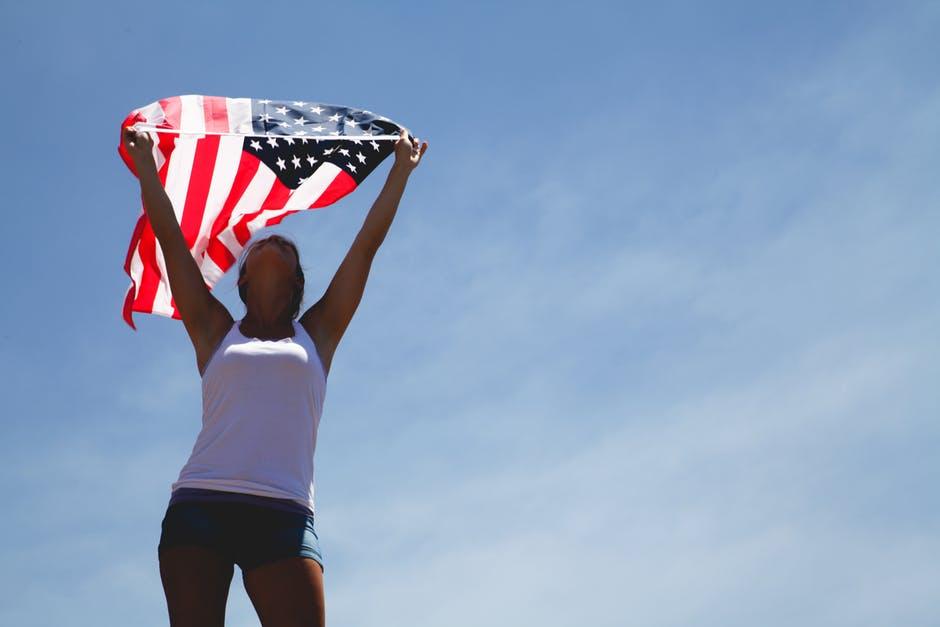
652, 340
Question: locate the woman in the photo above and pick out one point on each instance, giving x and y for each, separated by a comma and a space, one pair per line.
246, 494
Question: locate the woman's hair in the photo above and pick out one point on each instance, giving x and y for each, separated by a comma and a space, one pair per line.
298, 293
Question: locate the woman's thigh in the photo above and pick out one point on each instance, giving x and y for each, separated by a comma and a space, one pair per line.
287, 592
196, 581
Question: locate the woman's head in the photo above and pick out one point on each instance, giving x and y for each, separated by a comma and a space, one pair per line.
270, 277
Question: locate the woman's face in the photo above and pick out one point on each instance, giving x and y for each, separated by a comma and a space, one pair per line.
271, 271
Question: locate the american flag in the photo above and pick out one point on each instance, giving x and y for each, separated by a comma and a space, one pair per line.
231, 166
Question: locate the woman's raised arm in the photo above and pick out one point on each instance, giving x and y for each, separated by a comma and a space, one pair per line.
328, 318
204, 317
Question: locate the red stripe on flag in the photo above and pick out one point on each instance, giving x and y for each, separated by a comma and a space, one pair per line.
277, 219
172, 111
130, 120
132, 290
341, 185
166, 143
247, 168
200, 177
150, 275
276, 199
220, 255
128, 303
216, 250
216, 111
138, 229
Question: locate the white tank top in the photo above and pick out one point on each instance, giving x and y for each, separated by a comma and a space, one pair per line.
261, 407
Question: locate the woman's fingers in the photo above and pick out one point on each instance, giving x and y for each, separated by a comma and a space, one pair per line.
419, 152
131, 134
137, 142
417, 147
131, 141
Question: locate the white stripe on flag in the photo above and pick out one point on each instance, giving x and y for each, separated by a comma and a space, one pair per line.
192, 115
177, 185
223, 176
302, 197
162, 298
257, 190
239, 114
364, 136
210, 271
154, 114
136, 270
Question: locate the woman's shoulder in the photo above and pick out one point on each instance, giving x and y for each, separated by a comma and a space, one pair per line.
310, 323
216, 328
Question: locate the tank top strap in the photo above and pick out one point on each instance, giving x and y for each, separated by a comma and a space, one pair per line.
302, 336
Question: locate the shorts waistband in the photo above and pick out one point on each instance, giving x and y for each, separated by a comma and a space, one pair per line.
181, 495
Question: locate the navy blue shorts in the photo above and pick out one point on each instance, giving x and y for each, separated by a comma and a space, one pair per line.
247, 534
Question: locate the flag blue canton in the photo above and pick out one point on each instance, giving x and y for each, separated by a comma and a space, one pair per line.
298, 139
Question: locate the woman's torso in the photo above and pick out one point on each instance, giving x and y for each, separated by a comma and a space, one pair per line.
262, 402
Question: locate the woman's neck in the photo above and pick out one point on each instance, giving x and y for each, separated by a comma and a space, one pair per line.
256, 327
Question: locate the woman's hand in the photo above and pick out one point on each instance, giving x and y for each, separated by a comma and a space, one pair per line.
139, 146
408, 151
